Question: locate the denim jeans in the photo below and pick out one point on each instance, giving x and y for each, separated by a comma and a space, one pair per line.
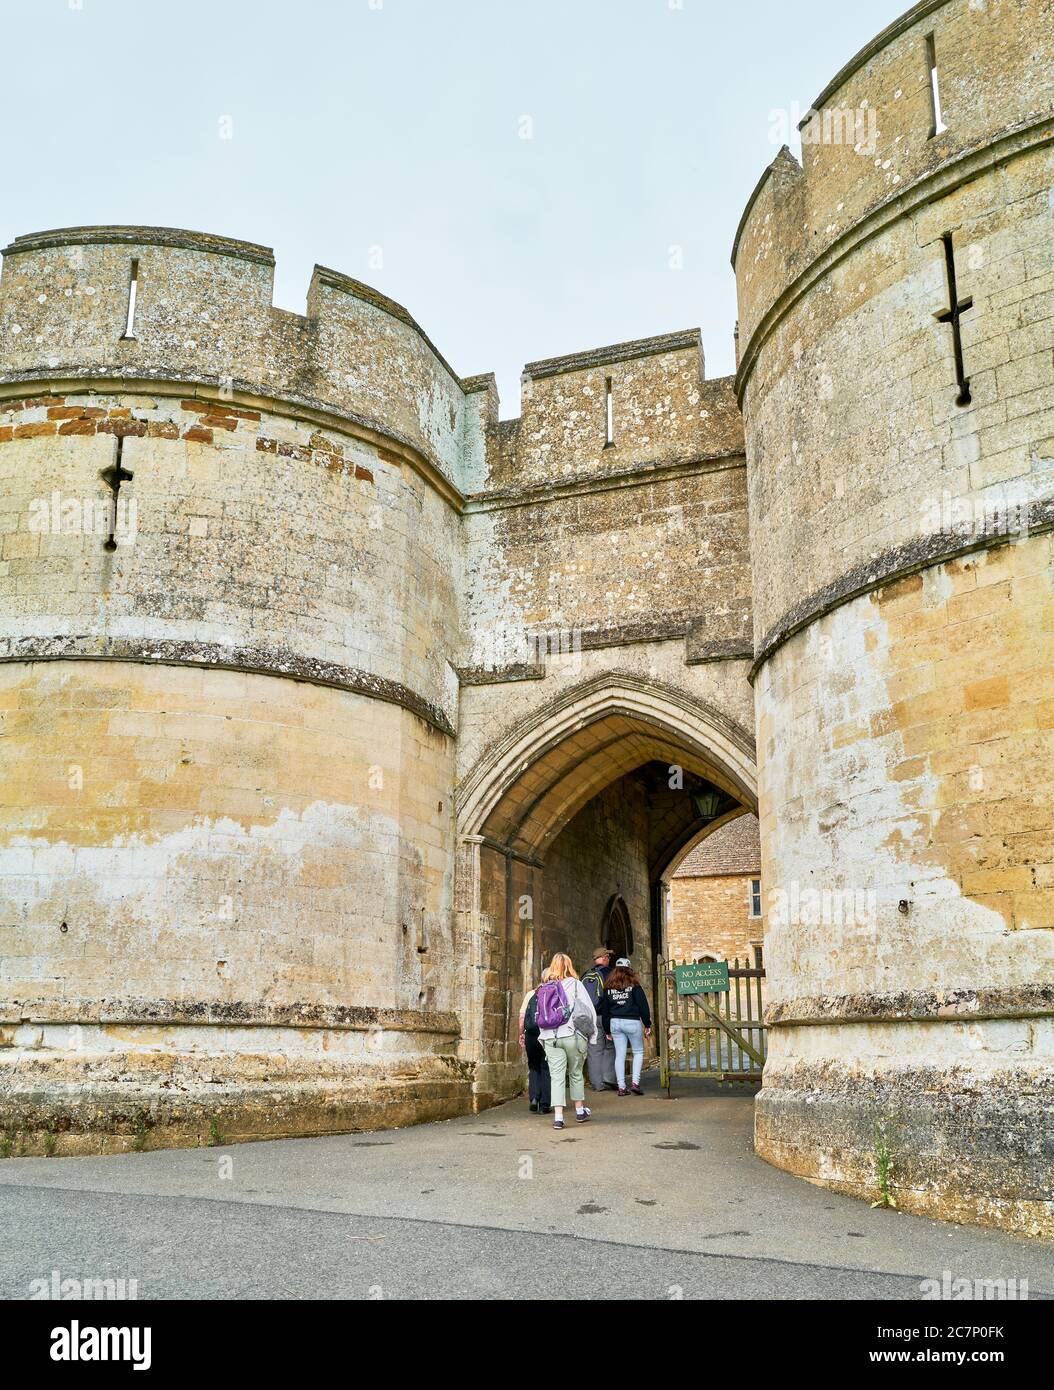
628, 1031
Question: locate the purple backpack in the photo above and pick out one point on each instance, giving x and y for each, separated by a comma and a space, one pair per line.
553, 1008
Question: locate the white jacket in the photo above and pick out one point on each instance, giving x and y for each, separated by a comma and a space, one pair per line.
574, 990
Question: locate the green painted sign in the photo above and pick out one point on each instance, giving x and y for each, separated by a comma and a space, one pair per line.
709, 978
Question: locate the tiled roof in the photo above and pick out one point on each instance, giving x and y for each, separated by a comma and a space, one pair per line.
733, 849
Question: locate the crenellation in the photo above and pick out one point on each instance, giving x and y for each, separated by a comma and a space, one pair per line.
770, 244
203, 315
662, 410
868, 145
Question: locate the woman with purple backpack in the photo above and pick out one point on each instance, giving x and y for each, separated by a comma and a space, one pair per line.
567, 1022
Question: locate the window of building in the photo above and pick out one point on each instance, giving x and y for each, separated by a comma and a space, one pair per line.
755, 897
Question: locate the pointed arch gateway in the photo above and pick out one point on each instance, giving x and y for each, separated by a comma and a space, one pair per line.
549, 765
548, 842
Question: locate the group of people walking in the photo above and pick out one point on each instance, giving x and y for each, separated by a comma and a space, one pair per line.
566, 1020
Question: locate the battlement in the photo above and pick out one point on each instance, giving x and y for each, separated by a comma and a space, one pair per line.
160, 304
689, 340
152, 305
142, 236
882, 128
628, 405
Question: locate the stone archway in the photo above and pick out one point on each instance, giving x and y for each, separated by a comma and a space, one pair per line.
583, 803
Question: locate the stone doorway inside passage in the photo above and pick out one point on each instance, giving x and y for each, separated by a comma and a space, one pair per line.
568, 827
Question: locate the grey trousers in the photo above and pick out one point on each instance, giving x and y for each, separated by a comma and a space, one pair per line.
601, 1062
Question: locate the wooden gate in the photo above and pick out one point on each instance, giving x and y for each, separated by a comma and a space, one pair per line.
719, 1035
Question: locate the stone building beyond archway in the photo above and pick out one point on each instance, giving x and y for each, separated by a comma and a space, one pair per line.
331, 701
715, 898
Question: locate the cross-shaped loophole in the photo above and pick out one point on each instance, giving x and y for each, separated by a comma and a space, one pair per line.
113, 477
954, 317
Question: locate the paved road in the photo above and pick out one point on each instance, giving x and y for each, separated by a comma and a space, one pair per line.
653, 1199
185, 1247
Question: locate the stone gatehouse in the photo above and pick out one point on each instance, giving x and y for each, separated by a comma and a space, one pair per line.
332, 702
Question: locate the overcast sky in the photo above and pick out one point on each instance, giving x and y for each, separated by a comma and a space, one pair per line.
529, 177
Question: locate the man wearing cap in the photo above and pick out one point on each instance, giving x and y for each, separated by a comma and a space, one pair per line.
601, 1052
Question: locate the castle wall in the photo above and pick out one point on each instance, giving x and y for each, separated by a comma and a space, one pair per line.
249, 667
240, 530
867, 139
641, 559
224, 892
903, 613
227, 846
582, 558
663, 411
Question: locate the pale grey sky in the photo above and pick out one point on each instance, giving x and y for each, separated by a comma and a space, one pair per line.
385, 138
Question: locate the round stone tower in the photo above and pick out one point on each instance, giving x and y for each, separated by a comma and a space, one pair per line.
228, 585
897, 382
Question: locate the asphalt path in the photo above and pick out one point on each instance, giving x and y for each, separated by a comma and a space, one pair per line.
653, 1199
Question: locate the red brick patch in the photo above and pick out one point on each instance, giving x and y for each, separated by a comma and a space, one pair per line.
218, 408
30, 402
321, 451
75, 412
80, 419
35, 431
122, 426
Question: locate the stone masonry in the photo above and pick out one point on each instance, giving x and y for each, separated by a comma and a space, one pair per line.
331, 702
